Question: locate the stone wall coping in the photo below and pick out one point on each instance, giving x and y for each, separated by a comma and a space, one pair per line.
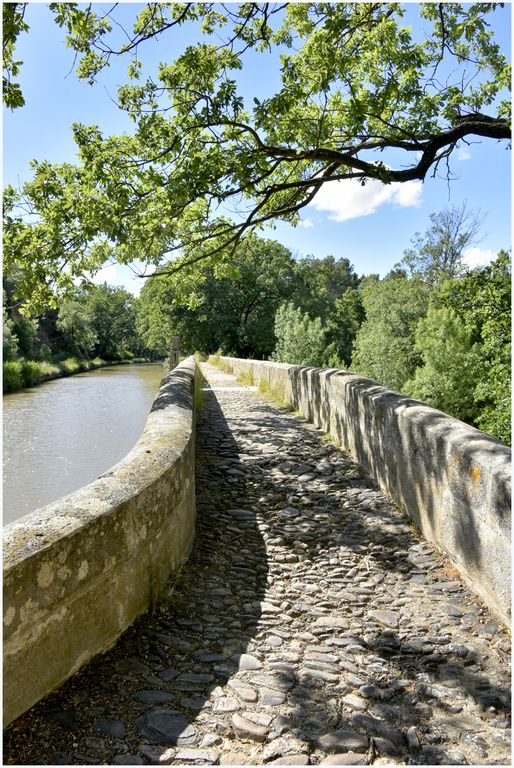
79, 571
166, 431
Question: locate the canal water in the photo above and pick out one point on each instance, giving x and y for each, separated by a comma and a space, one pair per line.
63, 434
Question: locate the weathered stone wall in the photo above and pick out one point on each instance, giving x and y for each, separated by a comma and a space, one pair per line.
454, 480
79, 571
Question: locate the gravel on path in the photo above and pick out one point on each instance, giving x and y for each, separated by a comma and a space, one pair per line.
312, 625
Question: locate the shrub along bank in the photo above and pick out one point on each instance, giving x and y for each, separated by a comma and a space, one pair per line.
19, 374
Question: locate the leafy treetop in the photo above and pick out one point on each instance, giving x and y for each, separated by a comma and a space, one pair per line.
361, 96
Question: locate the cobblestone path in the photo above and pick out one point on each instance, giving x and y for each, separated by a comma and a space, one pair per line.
311, 626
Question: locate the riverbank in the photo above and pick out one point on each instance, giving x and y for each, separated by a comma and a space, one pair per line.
19, 375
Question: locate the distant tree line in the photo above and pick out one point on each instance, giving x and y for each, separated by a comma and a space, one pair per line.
94, 325
95, 321
231, 304
432, 328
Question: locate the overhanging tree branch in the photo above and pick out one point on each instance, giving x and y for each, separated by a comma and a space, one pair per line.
356, 89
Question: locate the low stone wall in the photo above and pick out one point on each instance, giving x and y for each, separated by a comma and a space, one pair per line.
454, 480
79, 571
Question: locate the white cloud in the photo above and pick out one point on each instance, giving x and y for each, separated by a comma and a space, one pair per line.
463, 153
306, 223
407, 194
478, 257
348, 199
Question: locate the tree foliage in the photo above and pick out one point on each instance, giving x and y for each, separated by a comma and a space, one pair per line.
13, 22
10, 341
343, 324
229, 304
25, 329
449, 345
300, 340
113, 317
327, 288
75, 322
483, 300
99, 320
320, 282
384, 345
450, 364
360, 96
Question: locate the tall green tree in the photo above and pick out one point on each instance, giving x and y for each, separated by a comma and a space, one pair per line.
300, 339
113, 318
75, 323
327, 289
439, 254
483, 301
10, 341
321, 282
450, 364
361, 96
384, 347
26, 329
342, 326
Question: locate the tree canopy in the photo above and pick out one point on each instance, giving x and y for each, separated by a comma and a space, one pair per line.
300, 340
483, 301
384, 345
450, 364
360, 96
229, 305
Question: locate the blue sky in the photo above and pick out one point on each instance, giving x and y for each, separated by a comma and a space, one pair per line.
371, 226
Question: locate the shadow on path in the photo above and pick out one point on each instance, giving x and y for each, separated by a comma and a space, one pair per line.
308, 604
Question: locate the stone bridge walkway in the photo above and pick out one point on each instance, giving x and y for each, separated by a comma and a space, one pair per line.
311, 626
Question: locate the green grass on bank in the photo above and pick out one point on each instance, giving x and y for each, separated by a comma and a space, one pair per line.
200, 383
19, 374
12, 378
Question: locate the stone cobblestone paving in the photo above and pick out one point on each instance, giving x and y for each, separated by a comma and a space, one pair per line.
312, 625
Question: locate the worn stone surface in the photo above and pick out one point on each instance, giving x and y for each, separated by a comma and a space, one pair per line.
449, 477
371, 663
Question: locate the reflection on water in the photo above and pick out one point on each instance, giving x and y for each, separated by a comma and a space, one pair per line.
63, 434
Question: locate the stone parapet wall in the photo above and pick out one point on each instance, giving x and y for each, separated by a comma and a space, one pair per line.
79, 571
452, 479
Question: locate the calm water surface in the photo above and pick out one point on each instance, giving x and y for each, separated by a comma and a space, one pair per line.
63, 434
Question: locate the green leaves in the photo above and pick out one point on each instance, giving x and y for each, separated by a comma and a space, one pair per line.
482, 300
12, 24
448, 345
229, 303
439, 253
384, 345
300, 340
202, 166
450, 364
